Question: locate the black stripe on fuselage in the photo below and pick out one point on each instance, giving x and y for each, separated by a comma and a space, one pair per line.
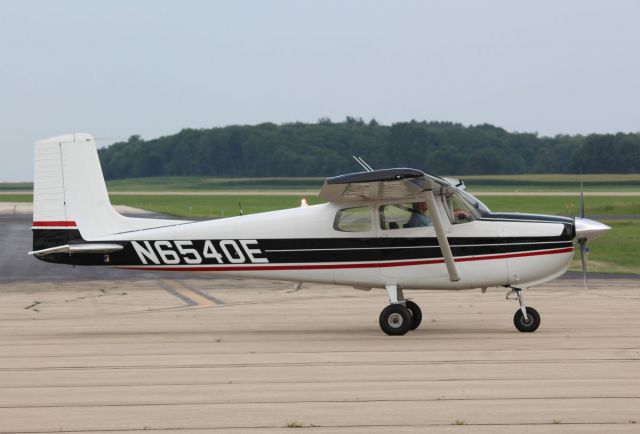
528, 218
319, 250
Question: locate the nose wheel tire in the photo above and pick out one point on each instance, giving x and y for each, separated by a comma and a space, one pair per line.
532, 322
416, 314
395, 320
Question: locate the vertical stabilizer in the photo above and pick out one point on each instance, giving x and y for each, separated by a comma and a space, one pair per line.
69, 190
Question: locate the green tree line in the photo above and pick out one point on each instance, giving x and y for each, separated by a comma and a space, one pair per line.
325, 149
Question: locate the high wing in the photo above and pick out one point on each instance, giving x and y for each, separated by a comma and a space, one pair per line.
395, 184
385, 184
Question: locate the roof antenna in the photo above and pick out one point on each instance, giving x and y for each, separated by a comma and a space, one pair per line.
363, 163
240, 206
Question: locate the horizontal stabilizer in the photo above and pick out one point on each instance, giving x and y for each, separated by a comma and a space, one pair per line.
79, 248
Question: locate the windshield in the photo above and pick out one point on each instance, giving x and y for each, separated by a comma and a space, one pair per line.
480, 207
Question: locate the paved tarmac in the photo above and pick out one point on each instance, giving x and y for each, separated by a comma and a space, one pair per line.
255, 357
156, 354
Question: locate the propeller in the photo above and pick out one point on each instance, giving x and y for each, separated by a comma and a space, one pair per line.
586, 230
583, 241
583, 256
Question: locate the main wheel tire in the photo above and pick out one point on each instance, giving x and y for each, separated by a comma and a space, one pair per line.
531, 324
395, 320
416, 314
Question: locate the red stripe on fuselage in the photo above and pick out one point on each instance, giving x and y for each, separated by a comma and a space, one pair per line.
351, 265
61, 223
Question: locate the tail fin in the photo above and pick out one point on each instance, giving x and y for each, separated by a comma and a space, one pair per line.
69, 191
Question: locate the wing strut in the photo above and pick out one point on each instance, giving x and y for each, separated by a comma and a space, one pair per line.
442, 237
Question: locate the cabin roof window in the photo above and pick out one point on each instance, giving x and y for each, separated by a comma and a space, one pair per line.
356, 219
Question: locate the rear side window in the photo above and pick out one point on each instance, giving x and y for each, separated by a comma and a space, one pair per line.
353, 220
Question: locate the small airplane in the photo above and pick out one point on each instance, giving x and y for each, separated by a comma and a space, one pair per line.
395, 229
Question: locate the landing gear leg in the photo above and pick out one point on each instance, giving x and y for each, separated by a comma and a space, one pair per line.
395, 319
526, 319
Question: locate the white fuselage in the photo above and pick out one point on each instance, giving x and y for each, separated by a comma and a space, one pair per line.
491, 252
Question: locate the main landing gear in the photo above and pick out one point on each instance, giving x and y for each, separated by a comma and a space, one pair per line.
526, 319
401, 315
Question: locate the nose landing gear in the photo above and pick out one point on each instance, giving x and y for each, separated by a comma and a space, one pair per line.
401, 316
526, 319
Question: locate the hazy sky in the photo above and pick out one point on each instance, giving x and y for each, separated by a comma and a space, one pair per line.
117, 68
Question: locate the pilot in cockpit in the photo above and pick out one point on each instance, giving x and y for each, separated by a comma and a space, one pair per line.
419, 217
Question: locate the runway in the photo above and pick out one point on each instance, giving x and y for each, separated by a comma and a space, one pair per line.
146, 352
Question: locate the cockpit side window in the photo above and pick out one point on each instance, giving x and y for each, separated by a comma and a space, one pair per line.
356, 219
404, 215
458, 210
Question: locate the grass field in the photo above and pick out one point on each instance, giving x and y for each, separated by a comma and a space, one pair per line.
185, 183
189, 183
565, 205
616, 251
16, 197
599, 182
212, 205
